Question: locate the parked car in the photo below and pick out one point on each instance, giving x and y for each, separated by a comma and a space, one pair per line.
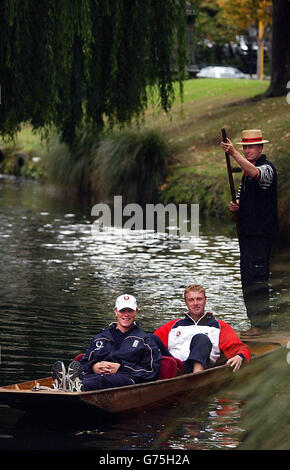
214, 71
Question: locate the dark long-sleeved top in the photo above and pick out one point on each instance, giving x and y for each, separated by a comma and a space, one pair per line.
135, 350
258, 215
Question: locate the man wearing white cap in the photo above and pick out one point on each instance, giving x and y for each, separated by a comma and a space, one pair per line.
121, 354
258, 224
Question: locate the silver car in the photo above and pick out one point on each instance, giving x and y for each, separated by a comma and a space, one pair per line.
220, 72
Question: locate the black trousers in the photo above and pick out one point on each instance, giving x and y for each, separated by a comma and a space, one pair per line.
255, 256
200, 349
93, 381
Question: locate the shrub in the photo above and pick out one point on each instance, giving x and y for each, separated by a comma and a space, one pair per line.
133, 164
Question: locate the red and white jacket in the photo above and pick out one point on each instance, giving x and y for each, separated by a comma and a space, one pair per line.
177, 334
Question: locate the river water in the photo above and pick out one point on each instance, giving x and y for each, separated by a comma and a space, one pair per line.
59, 280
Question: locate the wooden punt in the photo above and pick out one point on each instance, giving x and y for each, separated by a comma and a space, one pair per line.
133, 397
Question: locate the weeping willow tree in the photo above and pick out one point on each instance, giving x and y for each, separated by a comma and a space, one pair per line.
74, 63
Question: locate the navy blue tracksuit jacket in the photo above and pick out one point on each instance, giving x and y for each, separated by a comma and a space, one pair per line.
135, 350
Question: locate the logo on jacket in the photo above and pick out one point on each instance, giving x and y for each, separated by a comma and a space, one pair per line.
178, 333
99, 344
135, 344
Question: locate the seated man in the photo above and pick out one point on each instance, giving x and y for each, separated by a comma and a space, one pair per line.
121, 354
199, 338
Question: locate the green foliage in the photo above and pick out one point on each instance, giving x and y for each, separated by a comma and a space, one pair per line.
266, 413
70, 168
76, 62
282, 163
131, 164
187, 186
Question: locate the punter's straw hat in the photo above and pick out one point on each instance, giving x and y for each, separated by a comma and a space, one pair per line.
252, 137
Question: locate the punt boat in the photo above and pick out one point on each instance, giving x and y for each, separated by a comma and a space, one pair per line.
38, 395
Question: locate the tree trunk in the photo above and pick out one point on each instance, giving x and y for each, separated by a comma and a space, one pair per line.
280, 73
192, 68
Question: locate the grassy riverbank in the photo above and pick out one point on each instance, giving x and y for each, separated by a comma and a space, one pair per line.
197, 171
200, 176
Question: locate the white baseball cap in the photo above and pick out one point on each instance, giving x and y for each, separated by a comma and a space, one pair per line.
126, 301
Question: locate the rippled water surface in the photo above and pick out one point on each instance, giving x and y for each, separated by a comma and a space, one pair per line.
59, 280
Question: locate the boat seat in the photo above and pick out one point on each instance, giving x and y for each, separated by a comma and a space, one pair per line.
169, 367
79, 356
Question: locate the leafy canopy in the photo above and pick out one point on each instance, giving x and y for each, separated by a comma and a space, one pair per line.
241, 14
70, 63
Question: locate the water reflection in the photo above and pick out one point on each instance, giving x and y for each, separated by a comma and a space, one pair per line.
58, 285
208, 424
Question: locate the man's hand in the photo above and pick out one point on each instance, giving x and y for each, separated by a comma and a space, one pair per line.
105, 367
235, 362
228, 147
234, 207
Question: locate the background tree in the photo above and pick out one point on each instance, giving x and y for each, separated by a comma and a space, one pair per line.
211, 34
280, 73
242, 14
74, 63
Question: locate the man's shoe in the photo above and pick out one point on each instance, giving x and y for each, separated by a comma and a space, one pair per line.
75, 375
59, 375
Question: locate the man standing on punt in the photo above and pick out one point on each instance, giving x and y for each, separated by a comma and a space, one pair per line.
258, 225
199, 338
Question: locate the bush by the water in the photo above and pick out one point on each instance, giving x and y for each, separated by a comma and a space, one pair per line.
132, 164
